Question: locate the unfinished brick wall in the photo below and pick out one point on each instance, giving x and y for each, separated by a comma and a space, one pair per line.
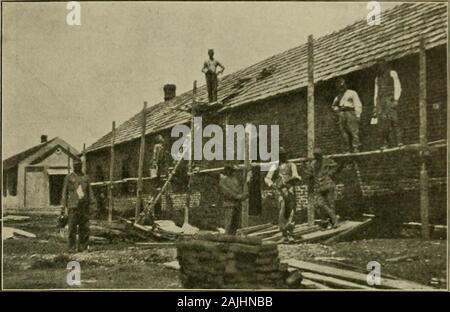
229, 262
379, 173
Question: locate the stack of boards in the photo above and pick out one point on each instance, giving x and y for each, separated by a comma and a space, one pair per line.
302, 233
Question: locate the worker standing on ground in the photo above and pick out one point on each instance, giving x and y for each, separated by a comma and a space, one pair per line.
282, 179
320, 173
211, 73
77, 198
348, 107
386, 96
233, 196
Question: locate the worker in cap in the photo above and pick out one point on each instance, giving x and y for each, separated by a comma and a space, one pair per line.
320, 173
210, 70
77, 201
348, 107
232, 197
282, 178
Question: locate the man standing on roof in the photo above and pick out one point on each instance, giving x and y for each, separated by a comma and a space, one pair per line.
320, 172
386, 96
77, 198
349, 108
282, 179
233, 196
211, 72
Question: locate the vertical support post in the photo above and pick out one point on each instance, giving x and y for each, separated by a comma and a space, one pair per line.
68, 160
111, 173
191, 154
83, 159
141, 165
424, 200
245, 203
310, 120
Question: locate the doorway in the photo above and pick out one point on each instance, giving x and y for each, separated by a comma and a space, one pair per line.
56, 184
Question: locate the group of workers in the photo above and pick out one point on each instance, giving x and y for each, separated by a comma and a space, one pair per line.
77, 194
320, 172
282, 178
387, 92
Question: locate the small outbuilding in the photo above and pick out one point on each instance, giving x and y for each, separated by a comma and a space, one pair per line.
33, 179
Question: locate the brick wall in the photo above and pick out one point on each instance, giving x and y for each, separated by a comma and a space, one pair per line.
379, 173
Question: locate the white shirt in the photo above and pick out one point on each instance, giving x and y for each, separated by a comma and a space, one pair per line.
397, 87
274, 167
349, 99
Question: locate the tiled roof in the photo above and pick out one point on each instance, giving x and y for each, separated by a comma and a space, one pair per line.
352, 48
18, 158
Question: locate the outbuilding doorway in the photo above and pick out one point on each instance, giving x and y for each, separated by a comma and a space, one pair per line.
56, 183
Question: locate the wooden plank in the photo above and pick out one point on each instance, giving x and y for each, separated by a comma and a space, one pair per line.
83, 160
324, 234
306, 229
310, 118
313, 285
255, 228
424, 199
245, 203
111, 172
351, 267
352, 276
348, 232
268, 232
333, 282
155, 244
298, 235
23, 233
141, 164
191, 154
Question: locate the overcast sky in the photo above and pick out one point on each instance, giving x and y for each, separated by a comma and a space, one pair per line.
73, 81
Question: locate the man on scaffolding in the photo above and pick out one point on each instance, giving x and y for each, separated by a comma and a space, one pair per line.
348, 107
386, 96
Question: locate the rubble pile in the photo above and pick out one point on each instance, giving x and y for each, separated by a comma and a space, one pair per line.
231, 262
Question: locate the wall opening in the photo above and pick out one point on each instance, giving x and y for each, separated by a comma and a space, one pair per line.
56, 183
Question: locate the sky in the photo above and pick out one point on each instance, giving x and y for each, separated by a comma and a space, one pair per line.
73, 81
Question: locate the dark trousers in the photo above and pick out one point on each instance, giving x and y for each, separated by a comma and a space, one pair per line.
78, 222
349, 126
232, 218
390, 128
325, 200
211, 85
286, 203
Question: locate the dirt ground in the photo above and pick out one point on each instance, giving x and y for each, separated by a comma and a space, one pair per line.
40, 263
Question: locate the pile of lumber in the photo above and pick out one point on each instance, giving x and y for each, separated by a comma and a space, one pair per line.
320, 276
102, 231
10, 232
304, 233
15, 218
165, 230
273, 234
215, 261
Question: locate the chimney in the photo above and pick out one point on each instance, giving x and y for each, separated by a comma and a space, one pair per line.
44, 138
169, 91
